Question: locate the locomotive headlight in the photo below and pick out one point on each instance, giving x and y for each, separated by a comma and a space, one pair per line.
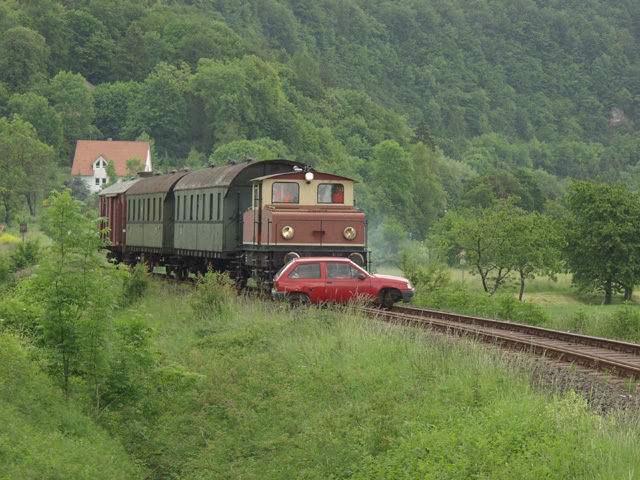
287, 232
349, 233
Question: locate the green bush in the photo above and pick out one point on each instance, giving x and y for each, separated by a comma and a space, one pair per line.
457, 298
135, 284
214, 296
26, 254
624, 324
425, 278
45, 436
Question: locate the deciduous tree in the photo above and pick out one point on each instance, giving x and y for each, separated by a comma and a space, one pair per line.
24, 163
603, 238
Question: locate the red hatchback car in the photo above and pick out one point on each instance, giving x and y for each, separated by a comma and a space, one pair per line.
337, 280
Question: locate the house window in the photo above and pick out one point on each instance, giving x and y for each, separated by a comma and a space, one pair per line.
97, 181
104, 180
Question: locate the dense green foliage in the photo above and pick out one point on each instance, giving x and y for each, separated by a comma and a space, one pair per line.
44, 436
434, 107
488, 88
604, 244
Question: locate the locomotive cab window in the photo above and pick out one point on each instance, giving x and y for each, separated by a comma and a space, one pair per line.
330, 193
285, 192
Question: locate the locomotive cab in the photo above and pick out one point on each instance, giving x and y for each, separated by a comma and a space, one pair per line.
302, 214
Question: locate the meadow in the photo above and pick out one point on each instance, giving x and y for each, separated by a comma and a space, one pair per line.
243, 388
261, 390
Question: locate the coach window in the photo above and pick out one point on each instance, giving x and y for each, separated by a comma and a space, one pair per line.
197, 207
285, 192
159, 209
184, 207
219, 206
154, 210
140, 207
211, 206
330, 193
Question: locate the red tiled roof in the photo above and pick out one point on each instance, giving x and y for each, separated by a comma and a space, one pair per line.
88, 151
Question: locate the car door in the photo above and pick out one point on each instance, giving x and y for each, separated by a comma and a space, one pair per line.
307, 278
345, 282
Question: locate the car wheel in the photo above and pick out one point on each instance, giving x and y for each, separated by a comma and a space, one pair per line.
385, 299
298, 298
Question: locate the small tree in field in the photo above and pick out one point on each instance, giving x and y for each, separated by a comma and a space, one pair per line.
77, 292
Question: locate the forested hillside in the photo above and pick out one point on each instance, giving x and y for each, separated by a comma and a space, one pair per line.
459, 96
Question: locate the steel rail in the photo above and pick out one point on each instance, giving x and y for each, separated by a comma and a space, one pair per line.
598, 342
501, 333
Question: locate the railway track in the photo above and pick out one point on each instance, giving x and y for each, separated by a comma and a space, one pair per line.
617, 358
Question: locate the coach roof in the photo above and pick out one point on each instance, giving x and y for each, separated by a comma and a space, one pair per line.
156, 184
117, 188
227, 175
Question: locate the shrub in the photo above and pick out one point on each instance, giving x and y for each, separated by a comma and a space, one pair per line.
135, 284
26, 254
429, 278
624, 324
214, 296
8, 239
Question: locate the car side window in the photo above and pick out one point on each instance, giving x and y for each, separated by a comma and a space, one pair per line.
306, 270
341, 270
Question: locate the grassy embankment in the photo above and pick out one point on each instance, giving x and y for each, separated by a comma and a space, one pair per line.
254, 390
271, 392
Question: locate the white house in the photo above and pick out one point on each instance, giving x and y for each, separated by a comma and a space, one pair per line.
91, 157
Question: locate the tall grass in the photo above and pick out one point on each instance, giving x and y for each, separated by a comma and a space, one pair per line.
264, 391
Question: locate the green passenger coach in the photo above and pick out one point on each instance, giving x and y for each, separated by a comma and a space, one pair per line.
150, 210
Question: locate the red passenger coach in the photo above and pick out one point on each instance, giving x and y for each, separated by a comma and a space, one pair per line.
113, 206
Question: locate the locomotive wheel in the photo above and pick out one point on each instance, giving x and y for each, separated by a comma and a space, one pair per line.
182, 273
241, 283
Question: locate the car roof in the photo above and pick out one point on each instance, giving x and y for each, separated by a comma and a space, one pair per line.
321, 259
